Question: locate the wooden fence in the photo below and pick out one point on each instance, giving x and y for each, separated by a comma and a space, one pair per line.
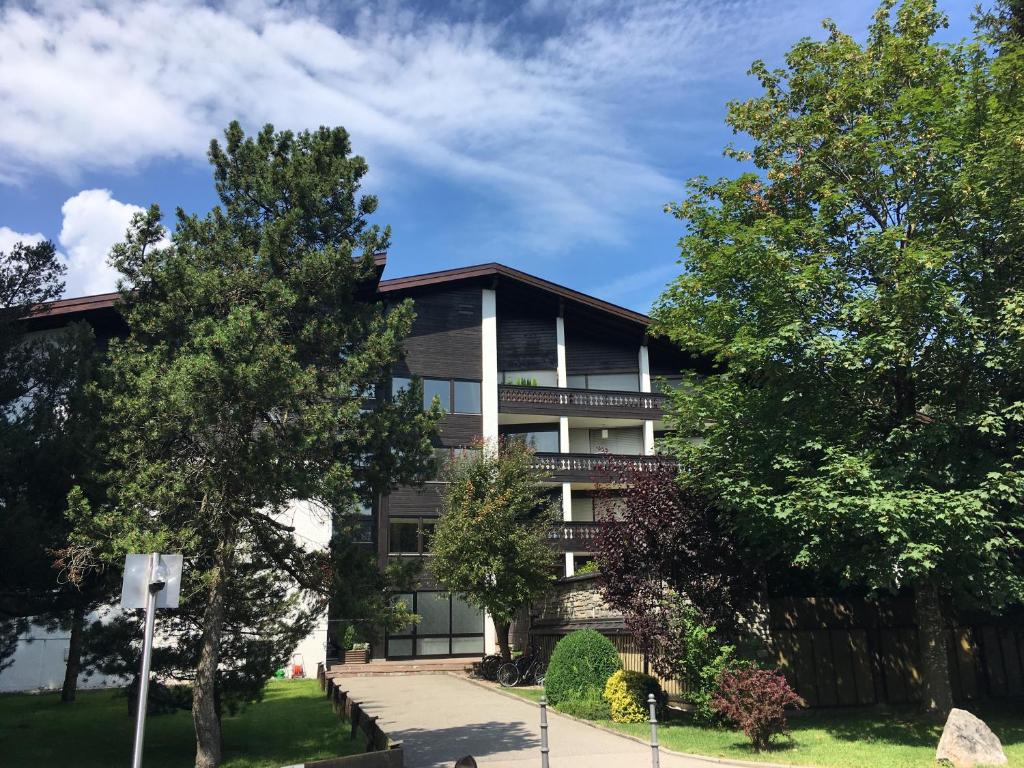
629, 649
856, 652
381, 751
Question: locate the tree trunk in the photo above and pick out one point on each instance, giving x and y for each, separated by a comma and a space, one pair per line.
937, 693
74, 663
205, 715
501, 629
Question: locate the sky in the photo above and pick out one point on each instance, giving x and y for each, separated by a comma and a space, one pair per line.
544, 135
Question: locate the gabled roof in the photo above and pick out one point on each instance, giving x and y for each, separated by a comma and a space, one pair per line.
498, 271
77, 305
492, 270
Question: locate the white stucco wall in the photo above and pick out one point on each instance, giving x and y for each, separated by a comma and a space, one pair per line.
39, 661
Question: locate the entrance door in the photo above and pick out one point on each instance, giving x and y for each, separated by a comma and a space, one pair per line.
448, 626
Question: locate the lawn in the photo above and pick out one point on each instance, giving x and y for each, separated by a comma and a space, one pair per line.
292, 724
532, 692
837, 739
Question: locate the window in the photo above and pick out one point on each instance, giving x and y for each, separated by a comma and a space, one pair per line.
448, 626
454, 395
439, 388
404, 536
623, 382
541, 441
410, 535
546, 378
467, 397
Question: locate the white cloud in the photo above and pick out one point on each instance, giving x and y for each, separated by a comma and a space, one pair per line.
93, 222
546, 118
8, 239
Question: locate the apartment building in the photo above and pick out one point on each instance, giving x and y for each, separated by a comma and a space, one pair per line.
507, 354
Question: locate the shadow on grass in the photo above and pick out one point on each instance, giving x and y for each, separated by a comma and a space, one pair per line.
907, 726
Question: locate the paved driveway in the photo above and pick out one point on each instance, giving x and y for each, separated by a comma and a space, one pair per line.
440, 718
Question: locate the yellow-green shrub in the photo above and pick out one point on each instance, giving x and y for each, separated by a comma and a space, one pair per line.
626, 693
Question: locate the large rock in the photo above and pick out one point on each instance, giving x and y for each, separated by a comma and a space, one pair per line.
966, 741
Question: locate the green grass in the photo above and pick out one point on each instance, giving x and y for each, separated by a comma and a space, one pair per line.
292, 724
838, 739
533, 692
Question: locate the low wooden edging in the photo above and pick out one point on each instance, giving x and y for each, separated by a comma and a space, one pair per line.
381, 752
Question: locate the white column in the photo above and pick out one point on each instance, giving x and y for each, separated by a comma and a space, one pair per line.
563, 433
489, 407
560, 350
645, 386
489, 374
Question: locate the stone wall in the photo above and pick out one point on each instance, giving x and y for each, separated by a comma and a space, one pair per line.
575, 599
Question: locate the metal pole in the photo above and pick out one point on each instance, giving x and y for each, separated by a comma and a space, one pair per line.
147, 657
652, 703
544, 732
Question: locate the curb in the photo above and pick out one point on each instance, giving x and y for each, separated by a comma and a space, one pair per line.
597, 726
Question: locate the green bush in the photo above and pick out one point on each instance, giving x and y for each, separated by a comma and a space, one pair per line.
702, 660
588, 705
581, 662
590, 566
626, 693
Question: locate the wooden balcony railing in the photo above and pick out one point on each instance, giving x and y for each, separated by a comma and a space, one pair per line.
580, 402
573, 536
585, 467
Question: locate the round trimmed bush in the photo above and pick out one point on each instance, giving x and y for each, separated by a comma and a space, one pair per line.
626, 693
580, 665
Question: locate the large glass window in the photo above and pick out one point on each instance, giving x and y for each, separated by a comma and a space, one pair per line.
455, 396
439, 388
467, 397
623, 382
404, 536
541, 441
410, 535
447, 626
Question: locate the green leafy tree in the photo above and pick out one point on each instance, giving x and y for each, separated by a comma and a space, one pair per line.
249, 380
862, 293
47, 436
490, 545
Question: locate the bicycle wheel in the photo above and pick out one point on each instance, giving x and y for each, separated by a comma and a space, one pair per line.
508, 675
538, 675
489, 667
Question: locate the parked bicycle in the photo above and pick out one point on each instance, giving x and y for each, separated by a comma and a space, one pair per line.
528, 669
488, 667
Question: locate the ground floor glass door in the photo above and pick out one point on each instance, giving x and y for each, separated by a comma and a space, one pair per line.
448, 626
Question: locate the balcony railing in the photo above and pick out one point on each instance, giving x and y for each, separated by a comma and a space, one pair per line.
573, 536
580, 402
585, 467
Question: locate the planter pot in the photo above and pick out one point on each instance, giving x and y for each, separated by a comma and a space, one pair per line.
355, 657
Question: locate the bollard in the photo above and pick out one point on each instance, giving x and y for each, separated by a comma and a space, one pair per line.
544, 732
652, 703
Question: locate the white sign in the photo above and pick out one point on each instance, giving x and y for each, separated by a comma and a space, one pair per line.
135, 586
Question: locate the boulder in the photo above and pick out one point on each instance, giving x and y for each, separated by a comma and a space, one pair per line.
966, 741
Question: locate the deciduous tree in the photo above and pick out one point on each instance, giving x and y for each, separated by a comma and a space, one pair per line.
490, 545
671, 564
863, 291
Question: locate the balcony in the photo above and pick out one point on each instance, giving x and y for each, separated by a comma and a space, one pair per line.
573, 537
559, 401
587, 467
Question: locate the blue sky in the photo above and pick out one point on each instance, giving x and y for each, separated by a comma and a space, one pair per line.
545, 135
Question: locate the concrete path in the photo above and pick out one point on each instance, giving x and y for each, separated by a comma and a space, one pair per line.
440, 718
